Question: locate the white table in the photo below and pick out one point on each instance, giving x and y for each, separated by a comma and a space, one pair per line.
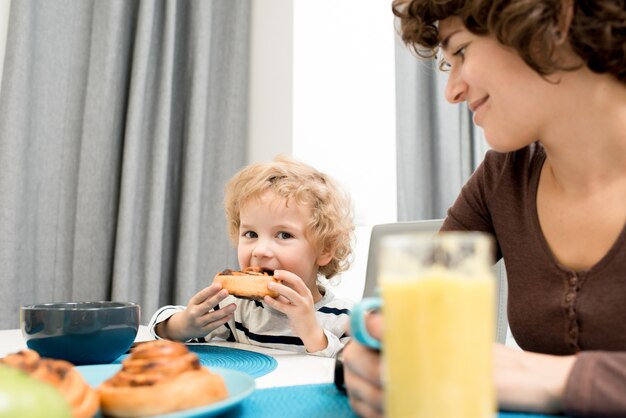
292, 368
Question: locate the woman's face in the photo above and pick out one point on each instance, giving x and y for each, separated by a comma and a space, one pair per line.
509, 100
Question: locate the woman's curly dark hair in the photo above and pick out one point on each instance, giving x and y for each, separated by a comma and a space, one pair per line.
534, 28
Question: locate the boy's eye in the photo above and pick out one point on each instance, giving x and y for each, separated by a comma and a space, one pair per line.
249, 234
284, 235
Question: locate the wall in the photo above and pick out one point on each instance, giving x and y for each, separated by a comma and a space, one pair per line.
323, 89
271, 74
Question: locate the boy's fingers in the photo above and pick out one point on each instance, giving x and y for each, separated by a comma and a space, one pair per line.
205, 293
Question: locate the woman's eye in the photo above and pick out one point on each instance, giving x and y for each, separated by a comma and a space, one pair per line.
284, 235
460, 52
458, 55
444, 65
249, 234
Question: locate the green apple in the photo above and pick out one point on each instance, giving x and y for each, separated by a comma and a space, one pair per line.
26, 397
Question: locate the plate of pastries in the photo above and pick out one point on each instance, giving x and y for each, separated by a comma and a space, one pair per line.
158, 378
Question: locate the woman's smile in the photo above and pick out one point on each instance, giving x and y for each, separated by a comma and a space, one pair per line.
477, 105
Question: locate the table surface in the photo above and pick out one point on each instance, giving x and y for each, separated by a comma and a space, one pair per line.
311, 369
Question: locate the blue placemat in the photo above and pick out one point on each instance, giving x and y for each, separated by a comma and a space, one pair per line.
311, 401
503, 414
314, 401
253, 363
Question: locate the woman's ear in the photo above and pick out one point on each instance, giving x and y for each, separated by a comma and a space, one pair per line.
563, 51
565, 20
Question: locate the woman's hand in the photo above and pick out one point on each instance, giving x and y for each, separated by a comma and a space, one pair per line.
530, 382
199, 318
296, 301
524, 381
362, 372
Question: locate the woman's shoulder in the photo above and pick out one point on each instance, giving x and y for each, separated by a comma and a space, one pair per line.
499, 181
525, 158
513, 170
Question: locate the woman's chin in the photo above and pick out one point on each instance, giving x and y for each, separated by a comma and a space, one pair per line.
505, 146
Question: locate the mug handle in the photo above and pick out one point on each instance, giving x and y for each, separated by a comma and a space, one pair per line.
357, 322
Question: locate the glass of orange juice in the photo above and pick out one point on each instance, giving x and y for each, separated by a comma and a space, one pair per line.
438, 305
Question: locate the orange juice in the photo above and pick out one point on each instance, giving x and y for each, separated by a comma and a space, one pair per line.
438, 342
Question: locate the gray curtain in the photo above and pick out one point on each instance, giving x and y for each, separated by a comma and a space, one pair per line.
120, 123
438, 147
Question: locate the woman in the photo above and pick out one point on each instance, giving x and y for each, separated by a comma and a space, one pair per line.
546, 80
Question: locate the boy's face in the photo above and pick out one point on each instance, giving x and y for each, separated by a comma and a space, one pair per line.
272, 235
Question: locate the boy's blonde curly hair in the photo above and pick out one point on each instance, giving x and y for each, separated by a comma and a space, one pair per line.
331, 224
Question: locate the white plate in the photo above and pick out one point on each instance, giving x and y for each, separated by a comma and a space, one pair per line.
240, 385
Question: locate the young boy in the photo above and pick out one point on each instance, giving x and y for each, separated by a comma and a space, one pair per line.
287, 217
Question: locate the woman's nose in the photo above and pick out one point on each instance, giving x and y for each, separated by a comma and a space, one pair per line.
456, 88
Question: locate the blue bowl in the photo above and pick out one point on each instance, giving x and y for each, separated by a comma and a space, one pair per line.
80, 332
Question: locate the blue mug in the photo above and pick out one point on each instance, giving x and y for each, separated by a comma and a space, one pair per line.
357, 322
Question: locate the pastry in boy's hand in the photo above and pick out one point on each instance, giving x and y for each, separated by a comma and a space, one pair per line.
160, 377
82, 398
251, 283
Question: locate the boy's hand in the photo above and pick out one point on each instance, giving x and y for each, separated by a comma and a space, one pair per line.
297, 303
198, 319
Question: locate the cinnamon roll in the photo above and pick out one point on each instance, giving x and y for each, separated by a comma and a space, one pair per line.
159, 377
82, 398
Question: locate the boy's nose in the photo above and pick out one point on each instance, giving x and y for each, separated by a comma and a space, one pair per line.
262, 249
